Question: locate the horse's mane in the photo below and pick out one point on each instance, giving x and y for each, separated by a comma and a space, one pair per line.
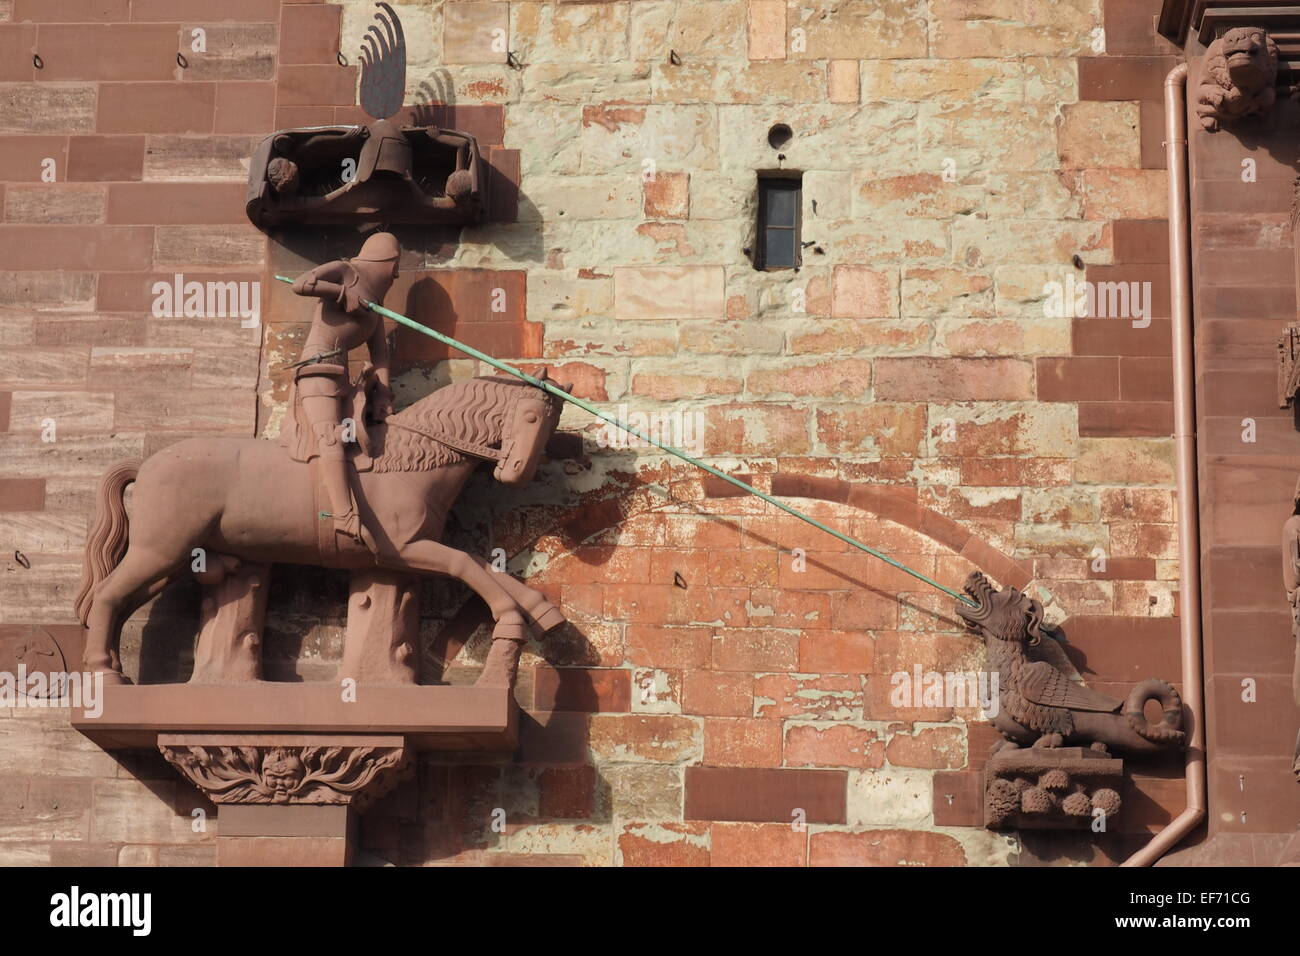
472, 411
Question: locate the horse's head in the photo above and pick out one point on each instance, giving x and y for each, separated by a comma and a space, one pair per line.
525, 430
492, 417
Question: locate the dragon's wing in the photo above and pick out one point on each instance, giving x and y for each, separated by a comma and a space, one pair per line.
1041, 683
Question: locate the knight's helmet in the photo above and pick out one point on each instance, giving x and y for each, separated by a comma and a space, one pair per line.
386, 152
381, 247
376, 262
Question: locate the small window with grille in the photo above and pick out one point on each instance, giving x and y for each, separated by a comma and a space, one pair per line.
779, 208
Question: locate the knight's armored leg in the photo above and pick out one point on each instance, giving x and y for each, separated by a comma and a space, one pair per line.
334, 473
323, 412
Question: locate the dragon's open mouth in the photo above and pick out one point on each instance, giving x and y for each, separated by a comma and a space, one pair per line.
980, 589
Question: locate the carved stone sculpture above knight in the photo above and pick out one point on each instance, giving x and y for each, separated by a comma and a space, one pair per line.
379, 172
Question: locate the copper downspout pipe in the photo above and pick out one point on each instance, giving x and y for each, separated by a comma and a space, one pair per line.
1189, 562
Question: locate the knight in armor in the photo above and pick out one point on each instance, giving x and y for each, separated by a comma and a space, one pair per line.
341, 323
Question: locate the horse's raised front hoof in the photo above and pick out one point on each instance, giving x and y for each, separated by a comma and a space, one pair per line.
511, 627
548, 617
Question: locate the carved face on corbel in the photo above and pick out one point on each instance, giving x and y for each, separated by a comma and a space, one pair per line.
1240, 71
1247, 57
282, 772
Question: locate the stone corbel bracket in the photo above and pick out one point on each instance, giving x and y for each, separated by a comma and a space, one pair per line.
288, 799
352, 770
1051, 788
1238, 77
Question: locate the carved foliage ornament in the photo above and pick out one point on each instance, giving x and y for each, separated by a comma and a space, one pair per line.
1050, 788
285, 774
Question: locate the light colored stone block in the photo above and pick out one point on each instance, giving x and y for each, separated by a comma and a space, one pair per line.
471, 29
842, 81
767, 29
680, 292
863, 293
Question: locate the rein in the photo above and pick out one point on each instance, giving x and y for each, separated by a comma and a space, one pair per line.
459, 444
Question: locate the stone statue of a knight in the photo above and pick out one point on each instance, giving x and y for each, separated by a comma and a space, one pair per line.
341, 323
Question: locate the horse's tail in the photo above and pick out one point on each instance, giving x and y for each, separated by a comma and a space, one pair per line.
108, 538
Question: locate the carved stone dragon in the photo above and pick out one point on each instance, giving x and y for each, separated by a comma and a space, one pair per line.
1039, 703
1239, 77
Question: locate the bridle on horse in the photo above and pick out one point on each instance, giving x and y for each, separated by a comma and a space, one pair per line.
476, 449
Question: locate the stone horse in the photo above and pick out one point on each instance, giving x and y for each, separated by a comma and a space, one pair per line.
245, 499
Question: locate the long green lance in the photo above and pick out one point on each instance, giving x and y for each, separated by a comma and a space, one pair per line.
676, 452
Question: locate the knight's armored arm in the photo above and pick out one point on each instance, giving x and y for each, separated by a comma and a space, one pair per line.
378, 344
379, 358
326, 281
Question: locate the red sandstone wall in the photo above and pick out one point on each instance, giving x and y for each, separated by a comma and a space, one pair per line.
1244, 297
769, 687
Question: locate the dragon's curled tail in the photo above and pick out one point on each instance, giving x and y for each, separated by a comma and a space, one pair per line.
1167, 731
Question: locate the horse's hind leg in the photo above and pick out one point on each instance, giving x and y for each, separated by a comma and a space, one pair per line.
113, 600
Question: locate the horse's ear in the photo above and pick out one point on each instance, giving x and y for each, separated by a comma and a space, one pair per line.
568, 388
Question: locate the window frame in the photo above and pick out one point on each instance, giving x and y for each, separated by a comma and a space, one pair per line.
789, 180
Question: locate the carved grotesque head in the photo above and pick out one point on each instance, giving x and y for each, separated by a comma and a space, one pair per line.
1008, 615
460, 186
1251, 57
282, 174
282, 772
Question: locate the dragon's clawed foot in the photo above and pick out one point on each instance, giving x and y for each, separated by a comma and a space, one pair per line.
1049, 740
